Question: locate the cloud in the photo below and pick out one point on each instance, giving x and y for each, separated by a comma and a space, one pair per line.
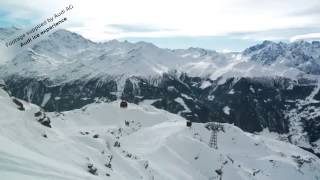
276, 34
306, 37
192, 18
104, 20
134, 28
309, 11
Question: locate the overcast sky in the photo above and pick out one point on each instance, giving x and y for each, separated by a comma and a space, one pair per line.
222, 25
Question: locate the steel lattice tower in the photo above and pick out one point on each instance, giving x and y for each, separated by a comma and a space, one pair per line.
215, 128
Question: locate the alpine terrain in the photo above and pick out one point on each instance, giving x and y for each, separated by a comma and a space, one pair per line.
60, 115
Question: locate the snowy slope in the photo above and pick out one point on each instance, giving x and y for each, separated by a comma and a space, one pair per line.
153, 144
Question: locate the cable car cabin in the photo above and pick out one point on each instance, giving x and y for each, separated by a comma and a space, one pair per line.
123, 104
189, 123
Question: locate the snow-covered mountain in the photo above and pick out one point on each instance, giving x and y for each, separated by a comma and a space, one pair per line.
302, 55
7, 32
268, 87
64, 52
104, 141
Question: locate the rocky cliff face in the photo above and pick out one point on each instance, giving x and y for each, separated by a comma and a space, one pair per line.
71, 95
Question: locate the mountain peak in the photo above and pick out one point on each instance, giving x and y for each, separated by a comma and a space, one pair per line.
65, 35
63, 43
146, 44
267, 42
7, 32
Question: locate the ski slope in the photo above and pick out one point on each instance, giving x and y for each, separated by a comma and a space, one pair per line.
139, 142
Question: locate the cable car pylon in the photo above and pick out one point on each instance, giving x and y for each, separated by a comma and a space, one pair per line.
215, 127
